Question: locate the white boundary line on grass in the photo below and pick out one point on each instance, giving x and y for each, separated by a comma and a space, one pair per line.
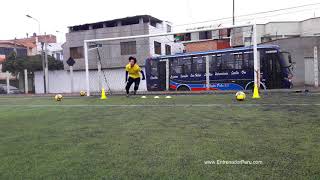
152, 105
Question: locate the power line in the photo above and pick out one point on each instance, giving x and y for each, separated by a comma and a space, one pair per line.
264, 17
245, 15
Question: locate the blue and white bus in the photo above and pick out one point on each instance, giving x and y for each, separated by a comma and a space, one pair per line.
228, 69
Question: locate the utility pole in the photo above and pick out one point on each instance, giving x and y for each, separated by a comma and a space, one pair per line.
233, 19
43, 67
46, 65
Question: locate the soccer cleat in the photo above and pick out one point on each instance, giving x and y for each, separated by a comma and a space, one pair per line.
127, 95
134, 92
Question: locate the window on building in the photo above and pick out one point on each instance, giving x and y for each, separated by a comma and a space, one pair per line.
154, 24
168, 49
205, 35
128, 48
157, 48
168, 28
76, 52
182, 37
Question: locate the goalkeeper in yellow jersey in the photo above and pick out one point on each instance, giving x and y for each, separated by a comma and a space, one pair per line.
133, 71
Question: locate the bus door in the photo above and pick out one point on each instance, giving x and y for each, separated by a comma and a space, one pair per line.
162, 74
271, 69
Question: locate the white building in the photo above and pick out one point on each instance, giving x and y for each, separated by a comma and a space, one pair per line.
277, 30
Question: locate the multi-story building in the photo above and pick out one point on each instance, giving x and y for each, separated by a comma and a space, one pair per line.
114, 54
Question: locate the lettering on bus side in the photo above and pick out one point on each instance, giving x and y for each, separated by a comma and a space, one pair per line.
221, 74
219, 85
235, 73
243, 72
195, 75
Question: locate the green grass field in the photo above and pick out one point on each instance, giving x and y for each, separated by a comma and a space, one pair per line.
133, 138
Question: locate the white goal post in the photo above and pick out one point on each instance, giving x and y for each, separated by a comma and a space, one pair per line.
254, 42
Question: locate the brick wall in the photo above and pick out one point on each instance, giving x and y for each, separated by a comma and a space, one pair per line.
207, 45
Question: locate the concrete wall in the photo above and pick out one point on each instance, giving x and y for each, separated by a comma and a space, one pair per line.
310, 27
299, 48
59, 81
282, 28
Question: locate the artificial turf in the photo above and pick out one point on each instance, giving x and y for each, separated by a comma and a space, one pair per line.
87, 138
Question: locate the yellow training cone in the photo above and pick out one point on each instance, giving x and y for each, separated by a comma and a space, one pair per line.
256, 92
103, 94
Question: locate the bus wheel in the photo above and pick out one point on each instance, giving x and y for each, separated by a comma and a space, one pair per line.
183, 88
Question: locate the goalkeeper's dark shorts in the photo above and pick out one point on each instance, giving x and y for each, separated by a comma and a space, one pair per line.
136, 82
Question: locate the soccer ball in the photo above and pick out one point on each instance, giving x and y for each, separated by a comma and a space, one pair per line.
82, 93
240, 96
58, 97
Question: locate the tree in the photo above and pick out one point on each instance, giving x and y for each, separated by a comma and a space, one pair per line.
15, 64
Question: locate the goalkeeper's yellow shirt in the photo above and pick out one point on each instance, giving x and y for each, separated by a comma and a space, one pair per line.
134, 72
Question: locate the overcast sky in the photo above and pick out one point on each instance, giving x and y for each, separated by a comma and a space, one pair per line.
57, 15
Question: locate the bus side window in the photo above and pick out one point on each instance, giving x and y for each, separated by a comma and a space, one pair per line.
248, 60
212, 64
227, 62
199, 64
186, 65
154, 67
175, 69
238, 61
219, 65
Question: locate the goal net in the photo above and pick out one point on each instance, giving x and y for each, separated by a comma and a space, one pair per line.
155, 51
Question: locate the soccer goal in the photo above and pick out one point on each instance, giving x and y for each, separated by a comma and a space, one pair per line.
196, 54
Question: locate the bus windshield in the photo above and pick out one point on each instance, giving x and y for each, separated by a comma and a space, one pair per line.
285, 60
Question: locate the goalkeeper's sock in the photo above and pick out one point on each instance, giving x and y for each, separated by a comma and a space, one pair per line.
135, 92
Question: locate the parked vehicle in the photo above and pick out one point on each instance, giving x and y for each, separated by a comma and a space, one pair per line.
228, 69
12, 89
